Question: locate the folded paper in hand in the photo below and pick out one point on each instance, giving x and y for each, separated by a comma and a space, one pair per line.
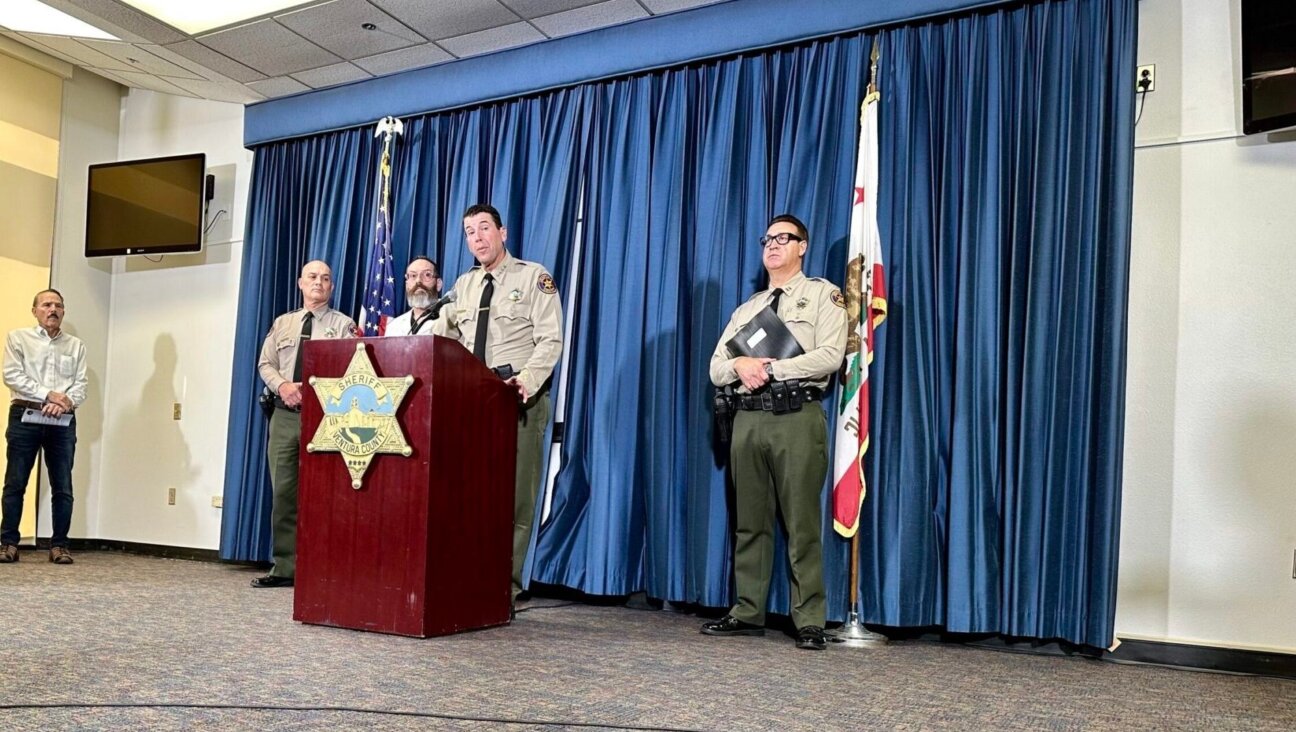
35, 416
766, 336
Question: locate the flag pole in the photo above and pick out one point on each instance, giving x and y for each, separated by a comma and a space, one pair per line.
852, 633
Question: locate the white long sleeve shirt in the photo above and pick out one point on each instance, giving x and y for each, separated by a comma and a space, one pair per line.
35, 365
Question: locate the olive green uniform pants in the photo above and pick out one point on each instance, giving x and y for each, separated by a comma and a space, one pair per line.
532, 421
282, 452
779, 462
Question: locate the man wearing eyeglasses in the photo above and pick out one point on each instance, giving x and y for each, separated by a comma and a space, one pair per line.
422, 289
779, 448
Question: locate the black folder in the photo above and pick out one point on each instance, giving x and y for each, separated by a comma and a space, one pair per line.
765, 336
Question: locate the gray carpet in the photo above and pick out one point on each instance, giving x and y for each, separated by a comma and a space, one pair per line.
127, 642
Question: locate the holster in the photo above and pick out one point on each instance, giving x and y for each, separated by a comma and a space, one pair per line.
723, 406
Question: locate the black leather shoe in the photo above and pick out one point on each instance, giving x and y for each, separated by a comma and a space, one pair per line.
729, 625
811, 638
272, 581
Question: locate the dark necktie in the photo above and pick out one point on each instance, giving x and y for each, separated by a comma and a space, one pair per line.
778, 293
483, 319
301, 345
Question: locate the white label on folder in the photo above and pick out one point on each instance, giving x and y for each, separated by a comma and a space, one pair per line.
756, 337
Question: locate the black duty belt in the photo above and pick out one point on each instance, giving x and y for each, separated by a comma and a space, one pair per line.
765, 400
279, 404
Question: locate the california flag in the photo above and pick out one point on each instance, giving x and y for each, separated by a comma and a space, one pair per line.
865, 310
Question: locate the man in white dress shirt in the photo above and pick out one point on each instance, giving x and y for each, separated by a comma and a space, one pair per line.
45, 370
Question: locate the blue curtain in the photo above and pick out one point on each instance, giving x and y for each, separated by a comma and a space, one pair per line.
999, 381
996, 459
313, 198
686, 167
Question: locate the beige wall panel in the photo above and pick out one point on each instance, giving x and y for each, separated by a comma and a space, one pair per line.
30, 119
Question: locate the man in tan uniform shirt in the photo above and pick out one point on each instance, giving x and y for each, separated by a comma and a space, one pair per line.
280, 369
518, 324
779, 459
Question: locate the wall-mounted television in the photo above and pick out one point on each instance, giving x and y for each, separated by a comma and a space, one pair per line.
150, 206
1268, 65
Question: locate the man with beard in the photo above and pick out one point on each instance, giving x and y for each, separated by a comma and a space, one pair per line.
280, 367
422, 290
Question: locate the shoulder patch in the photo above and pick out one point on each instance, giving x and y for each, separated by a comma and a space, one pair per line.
838, 299
546, 284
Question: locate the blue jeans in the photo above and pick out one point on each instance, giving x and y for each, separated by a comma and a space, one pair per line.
25, 441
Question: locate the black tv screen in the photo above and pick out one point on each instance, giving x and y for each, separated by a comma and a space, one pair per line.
1268, 65
146, 206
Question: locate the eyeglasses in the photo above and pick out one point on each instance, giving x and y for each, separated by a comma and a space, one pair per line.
426, 275
782, 239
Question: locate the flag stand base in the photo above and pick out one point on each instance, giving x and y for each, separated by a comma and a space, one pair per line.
853, 634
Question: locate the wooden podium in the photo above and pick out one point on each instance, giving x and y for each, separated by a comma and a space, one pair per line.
424, 546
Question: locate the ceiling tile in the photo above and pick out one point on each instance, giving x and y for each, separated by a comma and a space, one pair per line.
669, 6
140, 80
331, 75
495, 39
336, 26
81, 54
217, 62
269, 48
404, 59
227, 91
140, 59
536, 8
448, 18
279, 86
30, 43
590, 17
196, 69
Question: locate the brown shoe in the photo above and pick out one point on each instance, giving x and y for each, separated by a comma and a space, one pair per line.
60, 555
8, 554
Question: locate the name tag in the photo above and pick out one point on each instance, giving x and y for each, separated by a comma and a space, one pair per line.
756, 338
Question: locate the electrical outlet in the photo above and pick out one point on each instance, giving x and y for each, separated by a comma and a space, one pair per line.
1145, 78
170, 496
175, 411
218, 501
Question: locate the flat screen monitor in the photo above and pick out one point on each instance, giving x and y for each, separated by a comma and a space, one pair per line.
146, 206
1268, 65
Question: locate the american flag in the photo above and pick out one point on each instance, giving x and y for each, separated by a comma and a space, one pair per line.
380, 285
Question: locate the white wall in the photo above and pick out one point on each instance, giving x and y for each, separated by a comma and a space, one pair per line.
1209, 515
171, 340
89, 134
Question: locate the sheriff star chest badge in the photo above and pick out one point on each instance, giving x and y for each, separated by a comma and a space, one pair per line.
360, 415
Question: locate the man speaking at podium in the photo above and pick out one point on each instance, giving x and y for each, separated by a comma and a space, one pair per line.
509, 314
779, 450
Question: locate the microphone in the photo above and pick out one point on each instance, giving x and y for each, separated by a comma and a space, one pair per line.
434, 312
